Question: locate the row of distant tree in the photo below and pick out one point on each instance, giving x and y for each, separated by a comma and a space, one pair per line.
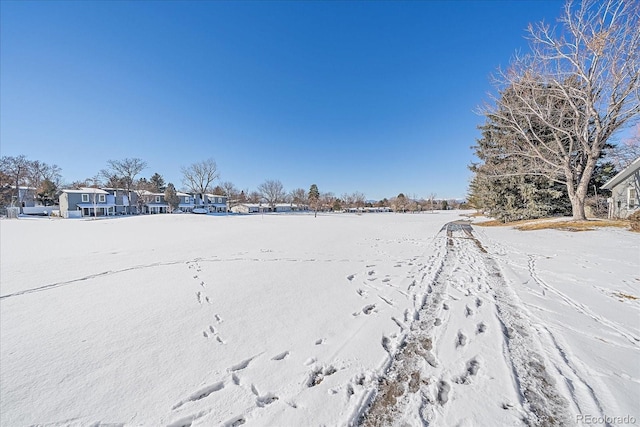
198, 178
548, 139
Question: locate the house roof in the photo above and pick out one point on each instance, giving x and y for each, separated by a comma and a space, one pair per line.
624, 174
84, 190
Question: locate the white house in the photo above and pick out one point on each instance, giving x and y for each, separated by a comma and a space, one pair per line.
246, 208
625, 188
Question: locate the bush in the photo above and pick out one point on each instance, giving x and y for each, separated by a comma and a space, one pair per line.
635, 221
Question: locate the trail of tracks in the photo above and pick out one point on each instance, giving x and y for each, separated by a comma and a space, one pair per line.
472, 355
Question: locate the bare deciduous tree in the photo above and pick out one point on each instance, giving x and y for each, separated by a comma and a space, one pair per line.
624, 153
17, 168
124, 173
359, 199
254, 197
35, 175
232, 193
272, 192
199, 178
572, 93
298, 196
327, 201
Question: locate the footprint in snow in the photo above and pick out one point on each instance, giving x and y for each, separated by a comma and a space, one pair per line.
200, 394
241, 365
468, 311
473, 366
318, 374
461, 339
235, 422
367, 309
281, 356
443, 392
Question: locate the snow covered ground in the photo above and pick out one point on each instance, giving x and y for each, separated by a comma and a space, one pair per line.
292, 320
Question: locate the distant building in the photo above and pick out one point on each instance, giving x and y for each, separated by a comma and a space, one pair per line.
125, 202
26, 196
86, 202
625, 188
216, 203
246, 208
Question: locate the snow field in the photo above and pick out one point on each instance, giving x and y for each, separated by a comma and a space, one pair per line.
183, 320
177, 319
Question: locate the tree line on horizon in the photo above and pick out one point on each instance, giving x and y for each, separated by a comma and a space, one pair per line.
198, 178
547, 144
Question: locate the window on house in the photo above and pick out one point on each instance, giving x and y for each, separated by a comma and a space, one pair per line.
101, 198
157, 199
632, 198
85, 198
219, 199
186, 199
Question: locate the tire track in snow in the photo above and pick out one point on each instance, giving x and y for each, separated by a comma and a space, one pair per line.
161, 264
91, 276
581, 308
418, 386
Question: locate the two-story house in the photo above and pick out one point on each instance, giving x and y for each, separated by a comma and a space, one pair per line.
75, 203
125, 202
216, 202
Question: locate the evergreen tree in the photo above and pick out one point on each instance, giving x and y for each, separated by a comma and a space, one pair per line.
46, 192
502, 189
314, 198
158, 182
171, 197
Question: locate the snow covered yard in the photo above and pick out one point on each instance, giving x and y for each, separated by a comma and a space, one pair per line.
581, 292
290, 320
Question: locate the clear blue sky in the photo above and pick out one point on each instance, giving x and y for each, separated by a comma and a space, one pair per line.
376, 97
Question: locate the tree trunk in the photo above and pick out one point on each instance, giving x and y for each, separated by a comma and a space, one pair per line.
577, 208
578, 194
